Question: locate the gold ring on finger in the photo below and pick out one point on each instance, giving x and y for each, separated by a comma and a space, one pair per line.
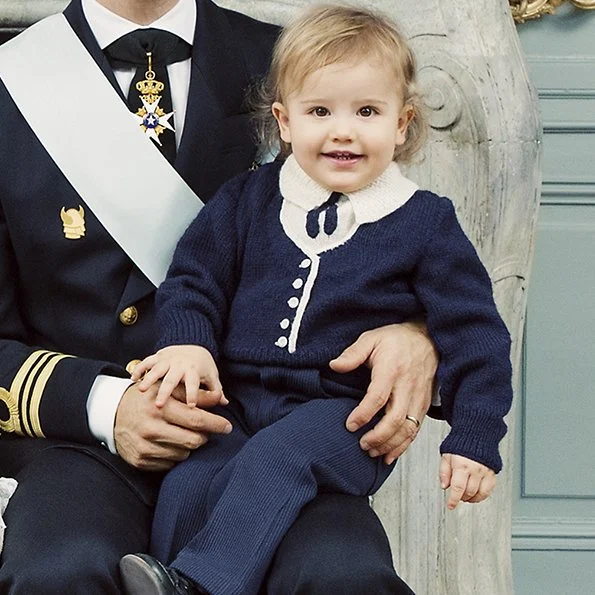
413, 419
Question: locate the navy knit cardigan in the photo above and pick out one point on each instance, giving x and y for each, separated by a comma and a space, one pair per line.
236, 282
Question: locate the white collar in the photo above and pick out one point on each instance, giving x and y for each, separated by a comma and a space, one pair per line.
107, 26
384, 195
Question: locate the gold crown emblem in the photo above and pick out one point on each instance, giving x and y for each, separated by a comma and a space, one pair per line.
150, 87
73, 223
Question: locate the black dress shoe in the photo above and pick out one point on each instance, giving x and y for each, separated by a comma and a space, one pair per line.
144, 575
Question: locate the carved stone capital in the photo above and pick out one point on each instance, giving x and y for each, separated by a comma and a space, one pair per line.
442, 97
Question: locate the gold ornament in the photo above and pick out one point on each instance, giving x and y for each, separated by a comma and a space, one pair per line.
73, 221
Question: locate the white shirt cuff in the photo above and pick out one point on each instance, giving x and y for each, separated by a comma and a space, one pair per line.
102, 404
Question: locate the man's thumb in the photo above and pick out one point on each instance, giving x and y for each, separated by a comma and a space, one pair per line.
351, 358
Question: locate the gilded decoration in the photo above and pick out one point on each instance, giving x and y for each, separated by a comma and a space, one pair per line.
526, 10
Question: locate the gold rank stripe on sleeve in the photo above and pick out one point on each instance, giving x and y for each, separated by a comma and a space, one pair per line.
27, 388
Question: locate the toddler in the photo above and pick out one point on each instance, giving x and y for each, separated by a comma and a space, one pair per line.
280, 272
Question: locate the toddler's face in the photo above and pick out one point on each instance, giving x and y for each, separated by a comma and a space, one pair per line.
344, 122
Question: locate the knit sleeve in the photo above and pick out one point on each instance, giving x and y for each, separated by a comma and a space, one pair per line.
473, 342
193, 300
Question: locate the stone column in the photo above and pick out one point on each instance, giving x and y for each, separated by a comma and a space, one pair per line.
484, 153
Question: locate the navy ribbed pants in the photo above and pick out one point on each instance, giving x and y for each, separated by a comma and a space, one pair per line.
222, 513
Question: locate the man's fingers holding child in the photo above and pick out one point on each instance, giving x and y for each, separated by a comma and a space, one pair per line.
402, 362
151, 438
394, 432
401, 441
376, 397
195, 419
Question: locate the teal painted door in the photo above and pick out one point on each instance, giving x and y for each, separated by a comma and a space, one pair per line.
554, 511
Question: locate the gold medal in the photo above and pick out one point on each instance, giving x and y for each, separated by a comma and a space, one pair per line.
151, 118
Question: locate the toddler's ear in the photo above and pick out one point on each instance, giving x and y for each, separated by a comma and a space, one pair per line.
282, 118
406, 115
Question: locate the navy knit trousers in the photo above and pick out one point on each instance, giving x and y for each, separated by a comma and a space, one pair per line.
222, 513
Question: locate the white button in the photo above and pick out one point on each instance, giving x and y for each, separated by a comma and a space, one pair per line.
293, 302
284, 323
305, 263
281, 342
298, 283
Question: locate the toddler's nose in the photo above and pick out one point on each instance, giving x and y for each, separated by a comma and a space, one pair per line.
343, 130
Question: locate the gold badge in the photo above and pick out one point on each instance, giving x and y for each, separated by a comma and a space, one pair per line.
152, 119
74, 223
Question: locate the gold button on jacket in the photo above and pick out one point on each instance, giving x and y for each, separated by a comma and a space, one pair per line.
129, 316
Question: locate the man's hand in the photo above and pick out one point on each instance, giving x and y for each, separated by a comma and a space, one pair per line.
469, 481
403, 363
153, 438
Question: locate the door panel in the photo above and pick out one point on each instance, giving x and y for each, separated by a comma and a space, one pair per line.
554, 512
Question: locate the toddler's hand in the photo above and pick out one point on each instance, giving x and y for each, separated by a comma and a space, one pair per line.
469, 481
191, 364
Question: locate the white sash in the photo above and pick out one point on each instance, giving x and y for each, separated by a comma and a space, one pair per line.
97, 143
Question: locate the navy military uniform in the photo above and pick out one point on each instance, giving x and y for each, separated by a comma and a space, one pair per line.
84, 297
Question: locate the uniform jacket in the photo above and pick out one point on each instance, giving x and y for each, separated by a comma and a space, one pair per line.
85, 298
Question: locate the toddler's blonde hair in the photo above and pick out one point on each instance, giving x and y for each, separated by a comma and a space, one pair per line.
328, 34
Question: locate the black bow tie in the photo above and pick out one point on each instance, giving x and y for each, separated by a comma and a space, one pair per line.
131, 49
329, 208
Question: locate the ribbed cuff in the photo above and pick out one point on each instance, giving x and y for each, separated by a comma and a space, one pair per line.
188, 329
476, 436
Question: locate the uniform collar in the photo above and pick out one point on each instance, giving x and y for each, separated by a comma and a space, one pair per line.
107, 26
384, 195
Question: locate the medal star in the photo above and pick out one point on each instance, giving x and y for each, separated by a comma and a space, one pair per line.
153, 120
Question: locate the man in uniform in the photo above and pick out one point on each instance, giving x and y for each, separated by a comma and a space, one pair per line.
93, 195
